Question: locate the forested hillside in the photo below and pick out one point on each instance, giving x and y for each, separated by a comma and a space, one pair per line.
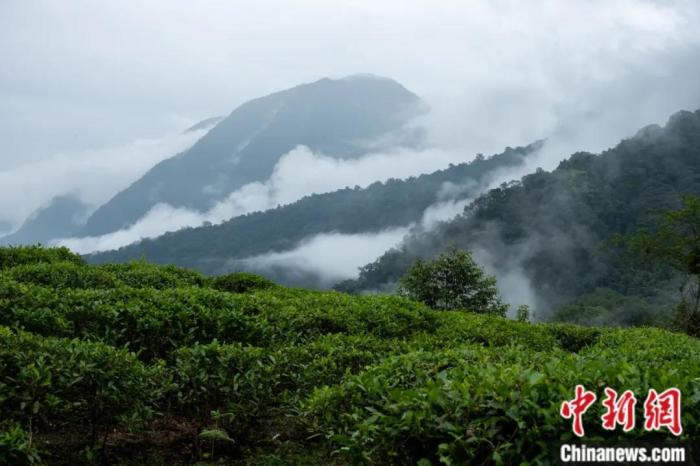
394, 203
144, 364
553, 229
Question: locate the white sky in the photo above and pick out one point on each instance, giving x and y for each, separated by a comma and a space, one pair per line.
79, 77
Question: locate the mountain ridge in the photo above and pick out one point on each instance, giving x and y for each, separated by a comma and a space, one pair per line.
334, 117
550, 228
382, 205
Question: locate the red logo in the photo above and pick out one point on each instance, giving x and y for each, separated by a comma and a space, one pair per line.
663, 410
618, 411
660, 410
577, 407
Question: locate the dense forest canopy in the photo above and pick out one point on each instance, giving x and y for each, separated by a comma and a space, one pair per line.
551, 229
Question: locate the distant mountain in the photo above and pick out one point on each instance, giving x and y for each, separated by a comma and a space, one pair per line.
64, 216
335, 117
396, 203
548, 233
5, 227
204, 124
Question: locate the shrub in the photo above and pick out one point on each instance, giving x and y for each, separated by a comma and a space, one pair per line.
277, 375
22, 255
216, 378
152, 322
140, 274
452, 281
135, 275
61, 275
293, 316
83, 384
241, 282
485, 405
16, 447
572, 338
458, 328
326, 360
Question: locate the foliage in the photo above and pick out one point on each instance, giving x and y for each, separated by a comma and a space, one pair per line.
522, 314
452, 281
606, 307
48, 381
240, 282
395, 203
62, 275
553, 226
141, 274
436, 405
151, 321
675, 242
21, 255
16, 446
167, 369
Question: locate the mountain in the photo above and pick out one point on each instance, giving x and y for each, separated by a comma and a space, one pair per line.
204, 124
336, 117
5, 227
395, 203
64, 216
546, 237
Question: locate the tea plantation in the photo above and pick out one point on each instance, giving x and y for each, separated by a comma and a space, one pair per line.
146, 364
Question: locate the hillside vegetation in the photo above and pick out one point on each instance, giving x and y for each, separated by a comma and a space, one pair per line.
555, 227
148, 364
394, 203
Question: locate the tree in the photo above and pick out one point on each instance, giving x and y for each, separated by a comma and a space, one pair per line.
675, 241
452, 281
523, 313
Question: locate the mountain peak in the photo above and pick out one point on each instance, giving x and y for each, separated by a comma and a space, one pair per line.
335, 117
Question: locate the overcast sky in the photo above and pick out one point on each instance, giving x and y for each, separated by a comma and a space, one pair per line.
80, 75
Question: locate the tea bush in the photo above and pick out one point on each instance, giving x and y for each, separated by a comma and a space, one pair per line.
62, 275
241, 282
147, 364
16, 446
141, 274
153, 322
23, 255
477, 405
48, 381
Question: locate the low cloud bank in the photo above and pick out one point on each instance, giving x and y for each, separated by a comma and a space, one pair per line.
298, 173
329, 257
93, 176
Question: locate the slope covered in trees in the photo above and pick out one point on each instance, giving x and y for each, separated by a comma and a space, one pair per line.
395, 203
551, 229
144, 364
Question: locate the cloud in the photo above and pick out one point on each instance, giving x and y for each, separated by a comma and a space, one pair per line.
330, 257
582, 73
442, 211
497, 71
298, 173
94, 176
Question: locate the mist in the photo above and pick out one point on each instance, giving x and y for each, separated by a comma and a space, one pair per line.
81, 78
322, 174
88, 116
324, 259
93, 176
